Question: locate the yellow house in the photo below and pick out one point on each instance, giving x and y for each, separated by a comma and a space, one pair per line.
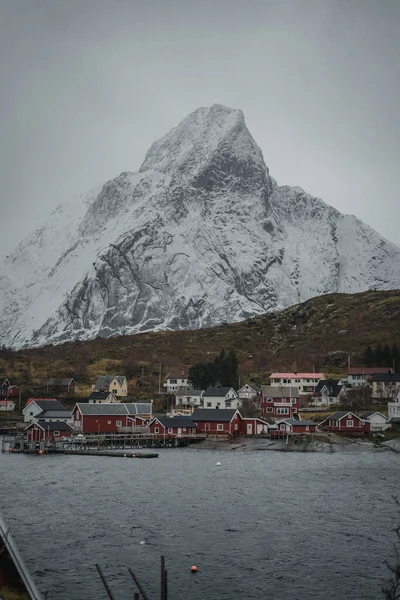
116, 384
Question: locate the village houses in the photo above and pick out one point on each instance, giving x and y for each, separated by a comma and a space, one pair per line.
394, 408
45, 409
328, 392
385, 386
8, 390
360, 376
102, 398
64, 385
345, 422
249, 392
178, 384
7, 405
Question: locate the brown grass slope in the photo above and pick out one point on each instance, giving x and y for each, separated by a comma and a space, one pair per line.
320, 332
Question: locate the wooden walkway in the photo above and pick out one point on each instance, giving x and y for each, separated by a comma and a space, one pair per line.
13, 552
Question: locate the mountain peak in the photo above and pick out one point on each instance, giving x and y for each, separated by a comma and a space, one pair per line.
210, 143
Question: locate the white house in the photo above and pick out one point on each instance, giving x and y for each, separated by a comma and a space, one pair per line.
7, 405
360, 376
394, 408
177, 384
328, 392
378, 421
385, 386
249, 392
304, 382
116, 384
220, 397
45, 409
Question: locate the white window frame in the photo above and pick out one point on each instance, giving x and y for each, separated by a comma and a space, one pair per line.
118, 423
220, 427
350, 423
108, 422
156, 430
170, 429
56, 433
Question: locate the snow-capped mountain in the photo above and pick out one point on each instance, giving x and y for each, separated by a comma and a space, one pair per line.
200, 235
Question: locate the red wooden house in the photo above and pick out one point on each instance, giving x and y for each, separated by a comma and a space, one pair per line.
345, 422
172, 427
7, 390
253, 426
65, 385
47, 430
281, 402
217, 421
109, 418
289, 426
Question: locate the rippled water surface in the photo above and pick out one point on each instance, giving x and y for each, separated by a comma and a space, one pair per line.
262, 525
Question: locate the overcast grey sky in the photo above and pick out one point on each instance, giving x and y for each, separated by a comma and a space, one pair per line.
87, 85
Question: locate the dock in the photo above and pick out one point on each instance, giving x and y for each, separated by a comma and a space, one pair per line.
117, 453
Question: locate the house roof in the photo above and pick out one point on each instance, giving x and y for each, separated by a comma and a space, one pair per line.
370, 413
386, 377
54, 414
334, 387
195, 393
104, 381
177, 422
272, 391
40, 399
113, 408
176, 375
47, 405
339, 415
296, 375
100, 395
139, 408
219, 391
62, 381
368, 370
251, 386
5, 402
3, 380
297, 422
215, 415
51, 425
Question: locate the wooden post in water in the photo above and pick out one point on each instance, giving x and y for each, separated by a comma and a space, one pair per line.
140, 588
136, 596
162, 577
103, 579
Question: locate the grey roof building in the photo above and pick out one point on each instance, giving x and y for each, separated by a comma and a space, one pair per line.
219, 415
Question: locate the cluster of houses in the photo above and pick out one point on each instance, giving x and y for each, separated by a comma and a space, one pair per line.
217, 411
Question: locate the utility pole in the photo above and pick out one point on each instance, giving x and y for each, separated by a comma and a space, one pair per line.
159, 380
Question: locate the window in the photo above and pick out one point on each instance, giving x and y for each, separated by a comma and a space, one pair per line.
108, 422
218, 403
228, 404
56, 433
170, 430
31, 414
118, 423
270, 409
207, 426
282, 426
156, 430
236, 426
293, 400
208, 404
220, 427
349, 423
115, 391
184, 429
269, 399
173, 381
307, 428
282, 411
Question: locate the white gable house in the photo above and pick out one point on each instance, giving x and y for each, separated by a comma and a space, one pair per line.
221, 397
249, 392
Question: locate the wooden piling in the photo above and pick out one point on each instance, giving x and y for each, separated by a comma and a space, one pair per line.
103, 579
139, 586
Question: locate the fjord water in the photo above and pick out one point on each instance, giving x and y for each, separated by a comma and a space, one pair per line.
284, 526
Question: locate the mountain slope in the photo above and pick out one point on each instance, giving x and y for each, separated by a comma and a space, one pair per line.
200, 235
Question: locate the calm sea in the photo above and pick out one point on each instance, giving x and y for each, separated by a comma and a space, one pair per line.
263, 525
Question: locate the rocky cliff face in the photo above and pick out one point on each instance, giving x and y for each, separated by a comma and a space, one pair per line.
200, 235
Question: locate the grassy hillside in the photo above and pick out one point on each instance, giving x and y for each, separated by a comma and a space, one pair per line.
320, 332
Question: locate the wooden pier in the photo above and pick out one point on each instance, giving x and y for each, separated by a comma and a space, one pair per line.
117, 453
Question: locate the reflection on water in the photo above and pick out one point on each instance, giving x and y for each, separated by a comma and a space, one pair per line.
261, 525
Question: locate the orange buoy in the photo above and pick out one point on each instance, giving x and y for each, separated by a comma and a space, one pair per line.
40, 452
133, 455
193, 569
10, 449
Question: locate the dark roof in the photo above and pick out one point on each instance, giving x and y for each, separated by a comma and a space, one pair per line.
177, 422
368, 414
52, 425
62, 381
386, 377
368, 370
217, 391
274, 391
339, 415
334, 387
53, 405
297, 422
104, 381
139, 408
99, 395
3, 380
216, 415
54, 414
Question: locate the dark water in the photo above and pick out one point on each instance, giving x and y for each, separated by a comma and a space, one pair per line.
263, 525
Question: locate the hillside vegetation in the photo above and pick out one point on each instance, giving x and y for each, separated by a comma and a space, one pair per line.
319, 333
